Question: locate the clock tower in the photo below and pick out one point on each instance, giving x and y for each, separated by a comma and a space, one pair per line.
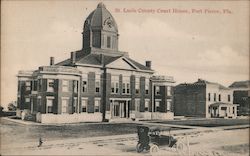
100, 30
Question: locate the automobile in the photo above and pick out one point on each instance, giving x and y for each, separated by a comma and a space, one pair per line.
150, 139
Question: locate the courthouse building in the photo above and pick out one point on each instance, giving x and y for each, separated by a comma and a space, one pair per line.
96, 83
204, 99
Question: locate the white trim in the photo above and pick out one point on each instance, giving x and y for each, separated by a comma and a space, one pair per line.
125, 99
59, 76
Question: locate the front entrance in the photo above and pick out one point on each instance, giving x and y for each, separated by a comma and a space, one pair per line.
117, 110
120, 109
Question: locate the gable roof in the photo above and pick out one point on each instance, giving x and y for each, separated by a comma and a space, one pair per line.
203, 82
213, 83
95, 59
138, 65
240, 84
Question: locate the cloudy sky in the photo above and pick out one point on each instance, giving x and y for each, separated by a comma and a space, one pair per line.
212, 44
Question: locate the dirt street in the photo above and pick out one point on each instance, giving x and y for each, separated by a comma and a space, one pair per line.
219, 143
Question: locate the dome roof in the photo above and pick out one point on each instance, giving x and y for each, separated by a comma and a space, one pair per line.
101, 18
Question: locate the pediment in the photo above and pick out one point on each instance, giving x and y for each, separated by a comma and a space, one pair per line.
122, 63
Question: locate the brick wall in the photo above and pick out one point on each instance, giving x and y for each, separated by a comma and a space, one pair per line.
190, 100
142, 94
91, 92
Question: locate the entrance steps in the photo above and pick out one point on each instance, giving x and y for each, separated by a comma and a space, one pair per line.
120, 120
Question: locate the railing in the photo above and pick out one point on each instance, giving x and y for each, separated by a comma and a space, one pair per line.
162, 78
60, 69
25, 72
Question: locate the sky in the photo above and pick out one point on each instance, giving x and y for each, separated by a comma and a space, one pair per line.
190, 40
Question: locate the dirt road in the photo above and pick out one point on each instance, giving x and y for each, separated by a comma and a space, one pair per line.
219, 143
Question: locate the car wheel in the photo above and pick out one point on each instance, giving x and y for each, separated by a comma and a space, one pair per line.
139, 148
154, 149
181, 148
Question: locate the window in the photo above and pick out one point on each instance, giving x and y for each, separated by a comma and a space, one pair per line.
84, 86
108, 41
123, 88
74, 110
169, 90
97, 105
169, 105
114, 87
75, 86
65, 102
128, 88
65, 85
146, 105
219, 97
228, 98
157, 106
137, 85
97, 83
115, 84
147, 86
49, 105
85, 83
27, 99
157, 90
214, 96
209, 97
28, 84
137, 105
50, 85
126, 85
84, 105
97, 86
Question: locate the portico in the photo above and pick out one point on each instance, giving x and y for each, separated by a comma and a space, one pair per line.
224, 110
120, 107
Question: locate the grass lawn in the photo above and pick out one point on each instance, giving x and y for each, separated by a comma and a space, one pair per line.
12, 132
207, 122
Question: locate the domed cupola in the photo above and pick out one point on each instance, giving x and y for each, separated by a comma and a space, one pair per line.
100, 29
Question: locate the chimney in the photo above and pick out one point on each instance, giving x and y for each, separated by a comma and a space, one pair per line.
73, 57
52, 61
148, 64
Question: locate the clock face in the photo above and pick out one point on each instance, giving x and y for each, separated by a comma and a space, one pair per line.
108, 22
